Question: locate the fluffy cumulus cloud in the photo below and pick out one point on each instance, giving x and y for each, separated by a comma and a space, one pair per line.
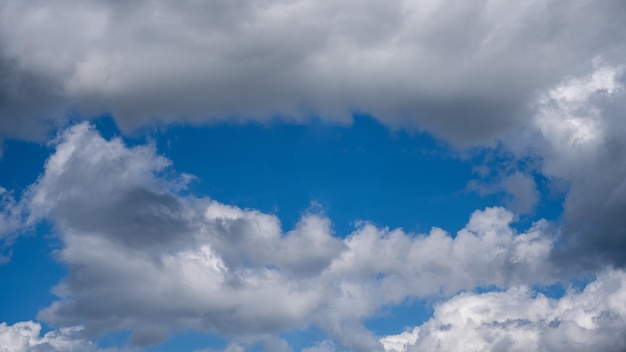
464, 70
25, 337
519, 319
144, 256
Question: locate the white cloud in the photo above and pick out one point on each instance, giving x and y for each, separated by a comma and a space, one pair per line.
142, 257
573, 125
465, 71
519, 319
25, 337
401, 341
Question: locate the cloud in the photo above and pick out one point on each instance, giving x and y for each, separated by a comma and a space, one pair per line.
465, 71
31, 102
233, 347
12, 221
143, 256
401, 341
577, 134
523, 191
323, 346
545, 78
519, 319
25, 337
520, 189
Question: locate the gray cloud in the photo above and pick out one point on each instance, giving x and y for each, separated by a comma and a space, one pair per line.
523, 191
465, 71
520, 189
578, 134
544, 76
31, 102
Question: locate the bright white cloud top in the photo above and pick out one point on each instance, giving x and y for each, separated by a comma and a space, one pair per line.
535, 88
520, 320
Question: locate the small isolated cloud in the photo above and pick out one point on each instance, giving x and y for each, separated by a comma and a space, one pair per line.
144, 258
523, 191
521, 194
519, 319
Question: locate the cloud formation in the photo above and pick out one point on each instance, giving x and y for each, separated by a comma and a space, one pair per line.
142, 256
577, 134
25, 337
543, 79
465, 71
519, 319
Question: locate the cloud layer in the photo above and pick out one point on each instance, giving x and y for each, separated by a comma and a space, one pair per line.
465, 71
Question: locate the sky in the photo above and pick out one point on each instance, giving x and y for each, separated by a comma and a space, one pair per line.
316, 176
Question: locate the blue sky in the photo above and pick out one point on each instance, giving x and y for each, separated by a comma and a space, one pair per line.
312, 176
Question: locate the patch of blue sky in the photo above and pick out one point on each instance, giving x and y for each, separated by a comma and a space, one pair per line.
300, 339
497, 162
21, 164
358, 172
393, 319
574, 284
27, 279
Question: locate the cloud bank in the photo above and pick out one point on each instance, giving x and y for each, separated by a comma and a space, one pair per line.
464, 71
